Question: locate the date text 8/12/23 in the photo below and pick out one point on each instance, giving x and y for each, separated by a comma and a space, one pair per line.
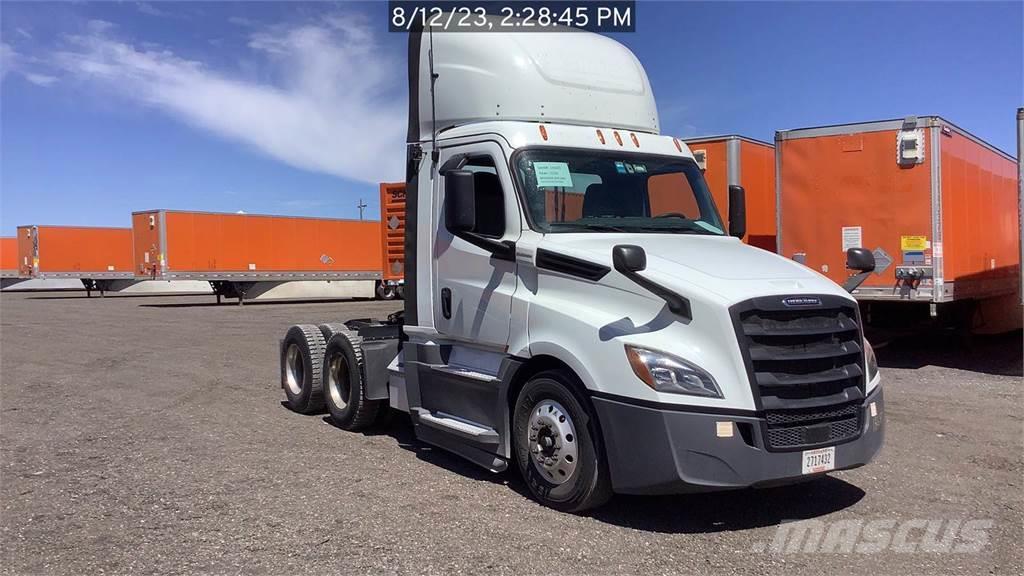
488, 16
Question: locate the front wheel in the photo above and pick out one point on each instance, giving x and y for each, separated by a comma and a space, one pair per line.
557, 445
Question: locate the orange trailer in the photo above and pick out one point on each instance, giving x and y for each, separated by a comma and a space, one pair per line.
738, 160
9, 257
392, 218
236, 251
98, 256
937, 205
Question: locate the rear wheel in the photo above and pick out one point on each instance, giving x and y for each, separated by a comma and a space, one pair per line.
344, 384
557, 445
330, 329
302, 354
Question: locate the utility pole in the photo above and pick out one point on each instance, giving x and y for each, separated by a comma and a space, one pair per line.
361, 206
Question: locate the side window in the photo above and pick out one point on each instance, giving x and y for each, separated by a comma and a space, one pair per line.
490, 200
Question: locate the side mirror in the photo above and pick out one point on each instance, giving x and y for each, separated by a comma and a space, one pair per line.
860, 259
737, 211
629, 258
459, 201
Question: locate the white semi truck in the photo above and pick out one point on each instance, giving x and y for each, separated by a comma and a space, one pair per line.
575, 308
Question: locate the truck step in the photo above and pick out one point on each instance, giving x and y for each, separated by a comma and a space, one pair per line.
464, 372
459, 427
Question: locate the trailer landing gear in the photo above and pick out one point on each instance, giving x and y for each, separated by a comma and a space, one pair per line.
230, 289
100, 285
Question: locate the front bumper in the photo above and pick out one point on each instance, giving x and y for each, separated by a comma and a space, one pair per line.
658, 450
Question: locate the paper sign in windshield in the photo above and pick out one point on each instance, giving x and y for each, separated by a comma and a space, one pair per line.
552, 174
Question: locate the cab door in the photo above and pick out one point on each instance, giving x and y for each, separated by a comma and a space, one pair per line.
473, 288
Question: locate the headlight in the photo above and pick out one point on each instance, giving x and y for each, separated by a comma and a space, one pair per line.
665, 373
872, 362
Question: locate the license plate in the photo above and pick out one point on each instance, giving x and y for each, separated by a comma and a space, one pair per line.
820, 460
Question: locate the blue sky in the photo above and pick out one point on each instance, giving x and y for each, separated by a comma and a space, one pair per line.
299, 108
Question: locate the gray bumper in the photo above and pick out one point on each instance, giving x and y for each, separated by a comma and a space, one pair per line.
654, 450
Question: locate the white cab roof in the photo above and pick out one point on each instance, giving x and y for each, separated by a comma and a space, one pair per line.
569, 77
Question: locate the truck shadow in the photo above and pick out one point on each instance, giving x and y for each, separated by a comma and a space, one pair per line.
678, 514
732, 510
999, 355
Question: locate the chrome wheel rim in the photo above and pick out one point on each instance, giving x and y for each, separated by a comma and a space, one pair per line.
294, 369
337, 381
551, 438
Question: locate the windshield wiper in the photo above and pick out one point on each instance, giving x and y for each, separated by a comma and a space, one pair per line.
673, 229
590, 226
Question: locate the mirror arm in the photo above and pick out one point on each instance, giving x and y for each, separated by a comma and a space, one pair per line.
454, 163
678, 305
499, 249
853, 282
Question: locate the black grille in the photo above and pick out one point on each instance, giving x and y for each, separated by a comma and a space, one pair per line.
805, 365
787, 418
800, 436
804, 428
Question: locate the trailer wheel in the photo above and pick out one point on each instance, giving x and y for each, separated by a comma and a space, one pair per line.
344, 383
558, 446
386, 291
302, 356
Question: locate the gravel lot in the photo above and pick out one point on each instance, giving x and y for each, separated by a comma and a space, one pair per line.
146, 435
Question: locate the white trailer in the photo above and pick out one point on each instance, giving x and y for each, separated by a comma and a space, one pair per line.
575, 308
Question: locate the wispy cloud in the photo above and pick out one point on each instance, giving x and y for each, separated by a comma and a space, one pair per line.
150, 9
8, 59
13, 61
40, 79
337, 109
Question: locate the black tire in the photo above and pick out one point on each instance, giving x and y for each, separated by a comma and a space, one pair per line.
302, 358
589, 484
330, 329
344, 383
386, 291
400, 292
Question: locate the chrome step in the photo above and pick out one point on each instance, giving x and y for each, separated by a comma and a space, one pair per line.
449, 423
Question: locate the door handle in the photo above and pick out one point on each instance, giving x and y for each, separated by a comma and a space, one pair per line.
446, 303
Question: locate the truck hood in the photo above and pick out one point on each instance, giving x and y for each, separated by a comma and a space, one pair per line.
722, 265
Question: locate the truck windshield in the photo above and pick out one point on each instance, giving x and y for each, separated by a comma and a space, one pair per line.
593, 191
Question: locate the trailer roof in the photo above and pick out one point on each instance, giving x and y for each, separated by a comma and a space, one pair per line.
699, 139
74, 226
165, 210
882, 125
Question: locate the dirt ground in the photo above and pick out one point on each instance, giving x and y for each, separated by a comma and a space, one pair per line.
145, 435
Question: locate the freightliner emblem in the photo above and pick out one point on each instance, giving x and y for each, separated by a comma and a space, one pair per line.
801, 301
